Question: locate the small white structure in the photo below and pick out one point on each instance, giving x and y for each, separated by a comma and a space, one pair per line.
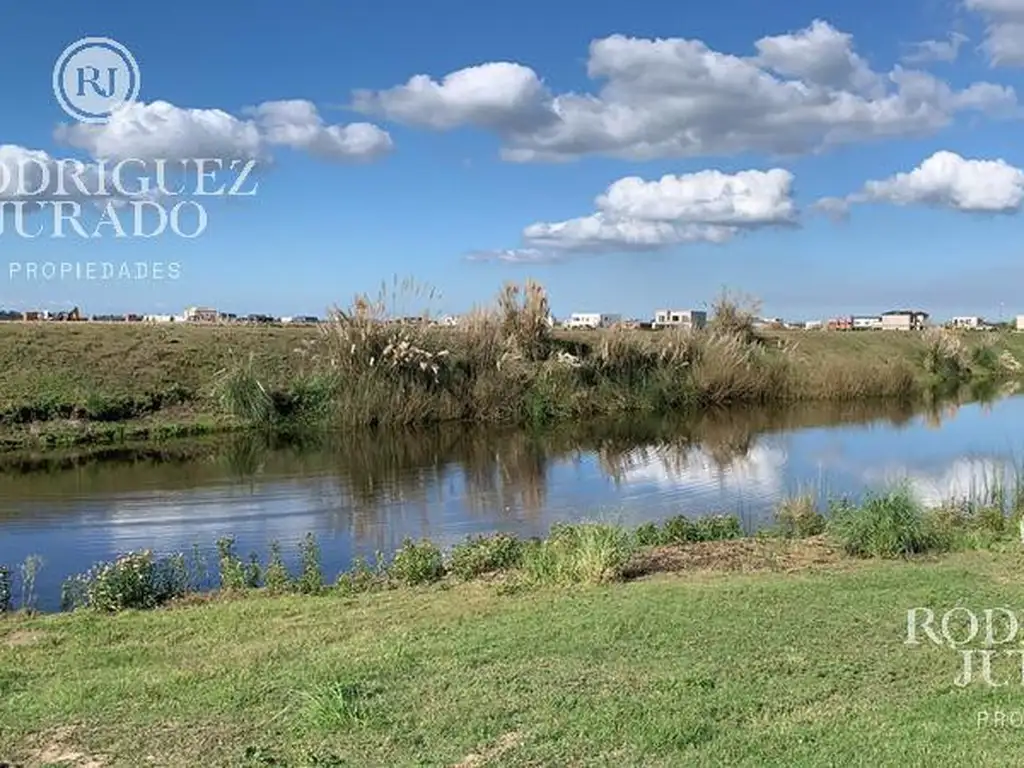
813, 325
201, 315
967, 322
592, 320
689, 319
1020, 322
904, 320
867, 323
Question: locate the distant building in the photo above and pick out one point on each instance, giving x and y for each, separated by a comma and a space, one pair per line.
814, 325
1020, 322
592, 320
201, 315
688, 319
967, 322
904, 320
34, 315
866, 323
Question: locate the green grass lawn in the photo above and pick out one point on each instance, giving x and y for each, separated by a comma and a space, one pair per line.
776, 667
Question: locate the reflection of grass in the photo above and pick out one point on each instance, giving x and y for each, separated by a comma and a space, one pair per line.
772, 668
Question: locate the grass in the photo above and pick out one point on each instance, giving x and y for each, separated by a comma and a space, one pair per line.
785, 668
67, 384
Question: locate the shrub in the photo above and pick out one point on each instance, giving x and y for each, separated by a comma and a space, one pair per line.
232, 569
678, 530
311, 579
798, 517
648, 535
136, 580
717, 528
889, 525
589, 552
277, 579
360, 577
417, 563
6, 594
485, 554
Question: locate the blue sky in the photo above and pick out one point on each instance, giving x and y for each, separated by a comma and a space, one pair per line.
467, 168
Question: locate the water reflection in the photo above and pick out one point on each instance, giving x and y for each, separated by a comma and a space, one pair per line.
364, 492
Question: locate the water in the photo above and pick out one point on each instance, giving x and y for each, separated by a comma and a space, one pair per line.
361, 494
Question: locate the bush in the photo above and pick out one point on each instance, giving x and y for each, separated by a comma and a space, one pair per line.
648, 535
137, 580
6, 593
485, 554
889, 525
798, 518
311, 580
232, 569
682, 530
360, 577
590, 552
417, 563
277, 579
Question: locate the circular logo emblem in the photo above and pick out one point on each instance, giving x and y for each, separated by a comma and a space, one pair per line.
95, 76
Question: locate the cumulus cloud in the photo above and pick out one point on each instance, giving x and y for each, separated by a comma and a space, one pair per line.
638, 215
936, 50
944, 180
297, 123
799, 92
1004, 42
161, 130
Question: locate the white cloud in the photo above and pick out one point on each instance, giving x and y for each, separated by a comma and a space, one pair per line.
515, 256
161, 130
945, 180
820, 55
638, 215
500, 94
1005, 41
801, 92
297, 124
936, 50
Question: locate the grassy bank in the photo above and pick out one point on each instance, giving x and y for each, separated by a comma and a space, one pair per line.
802, 662
67, 384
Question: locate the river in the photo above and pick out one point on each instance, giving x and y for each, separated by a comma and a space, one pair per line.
363, 493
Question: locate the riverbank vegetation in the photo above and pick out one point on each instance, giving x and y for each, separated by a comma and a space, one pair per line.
682, 643
883, 525
63, 384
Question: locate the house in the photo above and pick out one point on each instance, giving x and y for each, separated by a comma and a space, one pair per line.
689, 319
840, 324
592, 320
866, 323
72, 315
201, 315
34, 315
967, 322
813, 325
1020, 322
904, 320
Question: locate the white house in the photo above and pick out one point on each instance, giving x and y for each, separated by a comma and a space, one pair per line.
1020, 322
592, 320
690, 319
972, 322
867, 323
814, 325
